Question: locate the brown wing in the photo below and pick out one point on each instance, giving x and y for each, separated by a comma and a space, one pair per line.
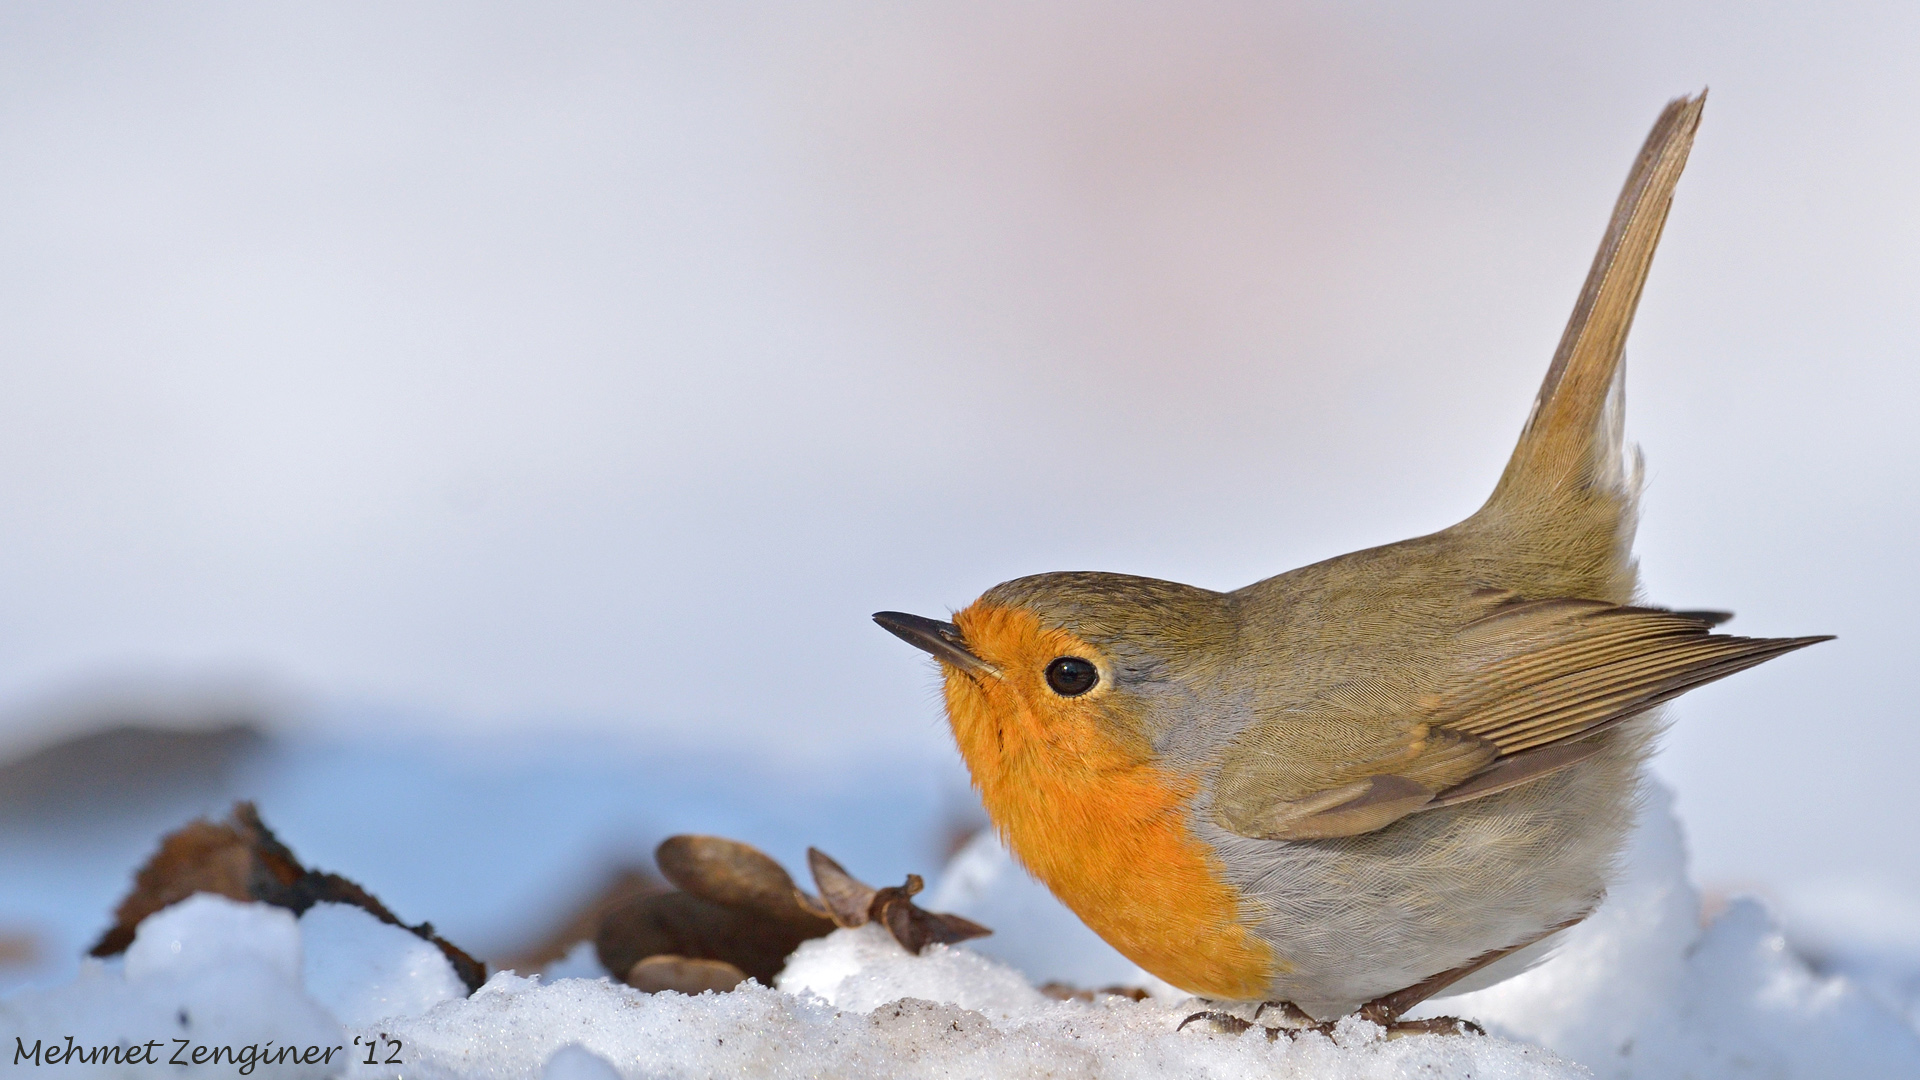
1527, 688
1350, 762
1551, 673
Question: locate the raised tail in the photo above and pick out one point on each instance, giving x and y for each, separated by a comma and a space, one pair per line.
1568, 492
1573, 438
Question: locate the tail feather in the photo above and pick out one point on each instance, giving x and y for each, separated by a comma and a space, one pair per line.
1571, 444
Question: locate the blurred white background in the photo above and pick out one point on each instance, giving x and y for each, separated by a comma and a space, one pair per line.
488, 370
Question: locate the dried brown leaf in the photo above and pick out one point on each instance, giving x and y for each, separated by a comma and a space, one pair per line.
241, 859
202, 857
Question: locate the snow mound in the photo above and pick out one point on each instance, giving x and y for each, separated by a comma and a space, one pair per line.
206, 970
364, 970
1641, 989
516, 1027
580, 962
576, 1062
1861, 929
863, 969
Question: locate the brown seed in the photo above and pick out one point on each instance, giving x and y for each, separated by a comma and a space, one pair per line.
681, 924
849, 899
726, 872
914, 927
855, 903
684, 975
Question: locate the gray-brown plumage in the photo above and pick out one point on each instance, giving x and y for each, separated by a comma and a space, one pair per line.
1400, 762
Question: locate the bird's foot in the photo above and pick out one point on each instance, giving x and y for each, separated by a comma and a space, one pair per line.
1383, 1013
1277, 1018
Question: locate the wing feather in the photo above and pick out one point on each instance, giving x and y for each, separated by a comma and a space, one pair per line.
1519, 698
1558, 669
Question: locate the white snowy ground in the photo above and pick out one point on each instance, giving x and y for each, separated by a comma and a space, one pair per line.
1639, 990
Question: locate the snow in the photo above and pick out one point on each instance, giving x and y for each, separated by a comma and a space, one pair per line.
207, 933
1864, 930
1641, 989
580, 962
514, 1027
208, 970
576, 1062
363, 970
864, 968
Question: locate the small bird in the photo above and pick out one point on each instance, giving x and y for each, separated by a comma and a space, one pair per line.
1348, 787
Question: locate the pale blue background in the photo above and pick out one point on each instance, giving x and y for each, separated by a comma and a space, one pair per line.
509, 372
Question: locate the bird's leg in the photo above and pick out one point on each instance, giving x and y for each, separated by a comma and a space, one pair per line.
1433, 1025
1386, 1011
1292, 1017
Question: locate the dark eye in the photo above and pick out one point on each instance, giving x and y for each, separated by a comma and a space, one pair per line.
1071, 676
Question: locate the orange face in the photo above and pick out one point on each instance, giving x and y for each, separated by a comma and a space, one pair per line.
1072, 785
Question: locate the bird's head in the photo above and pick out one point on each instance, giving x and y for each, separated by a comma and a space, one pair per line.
1075, 661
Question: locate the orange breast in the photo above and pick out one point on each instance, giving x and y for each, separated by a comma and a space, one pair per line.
1086, 810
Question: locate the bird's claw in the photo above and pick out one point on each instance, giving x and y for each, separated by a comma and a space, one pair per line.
1221, 1022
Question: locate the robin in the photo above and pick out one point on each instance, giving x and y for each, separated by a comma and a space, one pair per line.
1350, 786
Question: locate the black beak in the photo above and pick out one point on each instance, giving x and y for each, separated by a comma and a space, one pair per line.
942, 639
